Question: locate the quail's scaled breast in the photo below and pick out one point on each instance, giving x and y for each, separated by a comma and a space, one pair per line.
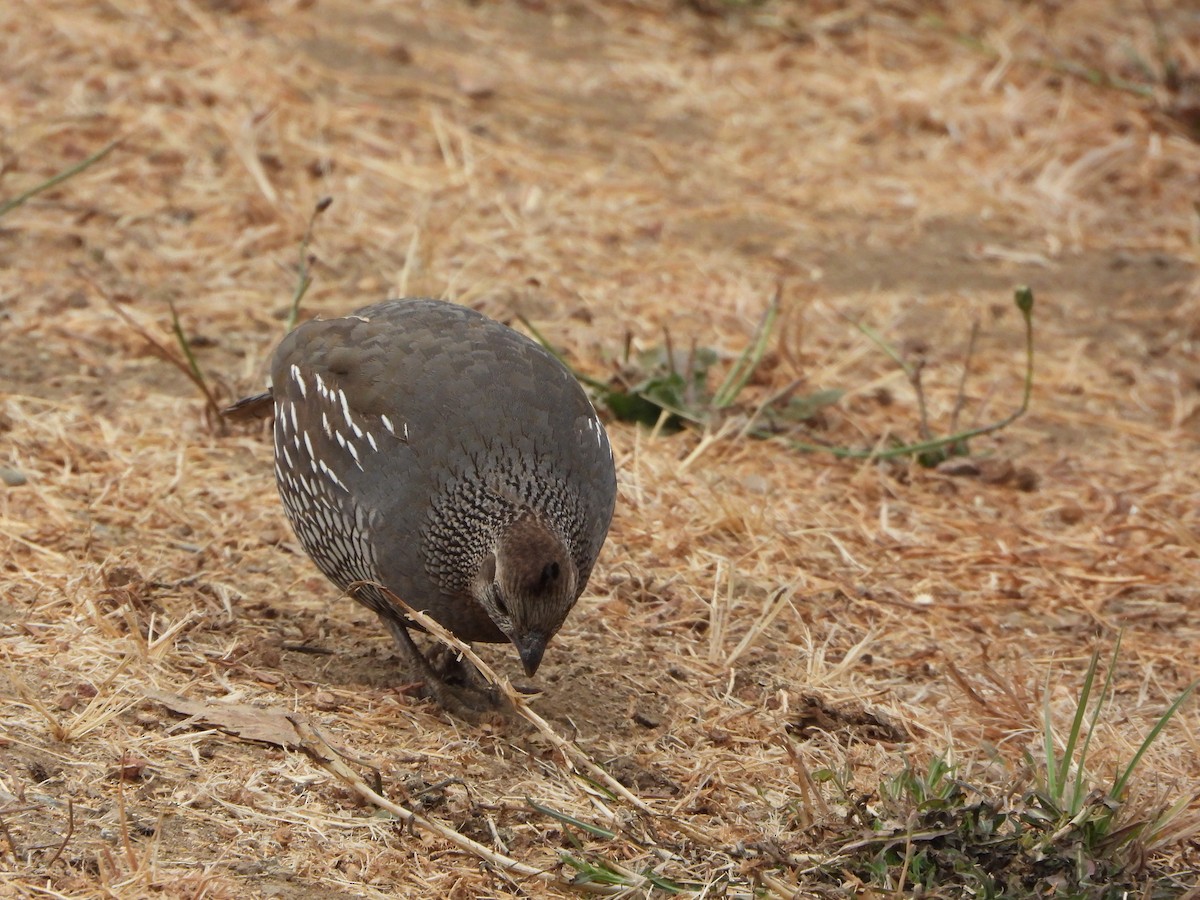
424, 448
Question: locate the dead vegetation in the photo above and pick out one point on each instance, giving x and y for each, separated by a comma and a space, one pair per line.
792, 675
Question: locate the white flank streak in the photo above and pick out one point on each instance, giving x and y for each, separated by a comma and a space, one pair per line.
358, 432
325, 425
321, 384
354, 453
311, 456
287, 455
406, 431
332, 476
299, 379
341, 440
292, 416
371, 441
345, 408
387, 423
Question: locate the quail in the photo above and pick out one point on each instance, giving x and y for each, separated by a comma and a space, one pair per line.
427, 451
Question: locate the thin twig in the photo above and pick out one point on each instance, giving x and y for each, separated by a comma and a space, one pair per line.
922, 406
967, 688
960, 399
123, 821
70, 831
12, 842
879, 341
571, 754
319, 750
575, 758
808, 788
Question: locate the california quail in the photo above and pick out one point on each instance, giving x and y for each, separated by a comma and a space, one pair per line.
425, 448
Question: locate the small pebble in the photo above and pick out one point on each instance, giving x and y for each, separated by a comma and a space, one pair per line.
325, 701
12, 477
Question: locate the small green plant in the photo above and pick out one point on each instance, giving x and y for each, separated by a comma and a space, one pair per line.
667, 389
662, 390
1053, 828
665, 394
930, 450
932, 785
1066, 792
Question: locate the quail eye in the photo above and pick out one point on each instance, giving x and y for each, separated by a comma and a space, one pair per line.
550, 573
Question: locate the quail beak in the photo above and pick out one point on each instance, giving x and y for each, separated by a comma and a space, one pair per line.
531, 647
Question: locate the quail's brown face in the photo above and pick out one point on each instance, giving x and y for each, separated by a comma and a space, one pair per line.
528, 586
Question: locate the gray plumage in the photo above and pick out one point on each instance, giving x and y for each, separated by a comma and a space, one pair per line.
422, 446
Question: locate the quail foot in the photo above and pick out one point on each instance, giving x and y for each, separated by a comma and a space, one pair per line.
427, 451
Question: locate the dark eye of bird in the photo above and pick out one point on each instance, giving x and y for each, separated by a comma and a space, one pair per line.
550, 572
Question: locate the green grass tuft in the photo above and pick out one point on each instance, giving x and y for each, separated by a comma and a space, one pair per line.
1050, 829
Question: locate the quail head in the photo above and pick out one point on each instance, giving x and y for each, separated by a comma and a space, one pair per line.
427, 451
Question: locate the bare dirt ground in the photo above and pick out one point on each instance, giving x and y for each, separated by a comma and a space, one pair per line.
604, 170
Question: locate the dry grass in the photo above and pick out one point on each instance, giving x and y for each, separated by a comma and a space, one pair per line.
768, 635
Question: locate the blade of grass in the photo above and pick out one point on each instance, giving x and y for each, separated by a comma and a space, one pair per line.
66, 174
594, 785
549, 348
611, 873
878, 340
1105, 693
591, 873
194, 372
1123, 779
593, 830
749, 359
1170, 825
1050, 750
157, 347
1085, 694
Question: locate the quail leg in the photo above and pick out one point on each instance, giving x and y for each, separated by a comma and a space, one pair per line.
456, 671
468, 698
